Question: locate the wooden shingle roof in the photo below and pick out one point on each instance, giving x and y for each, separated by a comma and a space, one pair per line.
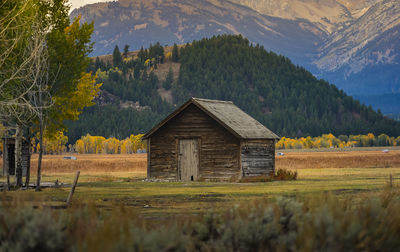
228, 115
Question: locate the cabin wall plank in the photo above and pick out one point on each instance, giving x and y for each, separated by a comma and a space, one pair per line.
218, 148
258, 157
7, 162
5, 158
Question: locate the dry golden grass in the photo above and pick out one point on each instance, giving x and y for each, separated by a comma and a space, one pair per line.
110, 180
348, 159
162, 70
101, 163
137, 163
93, 168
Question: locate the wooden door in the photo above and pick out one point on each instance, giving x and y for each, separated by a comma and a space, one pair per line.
188, 159
11, 159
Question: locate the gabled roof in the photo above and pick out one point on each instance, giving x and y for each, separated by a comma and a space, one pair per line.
228, 115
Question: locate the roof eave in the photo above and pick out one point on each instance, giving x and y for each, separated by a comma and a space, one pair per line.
172, 115
262, 138
197, 104
180, 109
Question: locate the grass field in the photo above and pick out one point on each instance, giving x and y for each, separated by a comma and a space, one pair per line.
109, 180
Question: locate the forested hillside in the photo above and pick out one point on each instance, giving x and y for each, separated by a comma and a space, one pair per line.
284, 97
353, 44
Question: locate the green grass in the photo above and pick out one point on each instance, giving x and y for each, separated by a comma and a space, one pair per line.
336, 209
163, 198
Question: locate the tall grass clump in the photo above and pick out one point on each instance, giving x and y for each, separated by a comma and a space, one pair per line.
28, 229
321, 223
279, 175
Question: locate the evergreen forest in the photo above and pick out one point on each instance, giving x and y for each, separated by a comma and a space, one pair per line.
284, 97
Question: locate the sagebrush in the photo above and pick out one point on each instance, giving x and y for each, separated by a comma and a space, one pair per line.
319, 223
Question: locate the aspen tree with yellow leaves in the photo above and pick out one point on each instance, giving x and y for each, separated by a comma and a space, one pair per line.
54, 145
97, 144
111, 146
330, 141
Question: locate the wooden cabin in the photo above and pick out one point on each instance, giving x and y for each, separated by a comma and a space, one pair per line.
9, 157
209, 140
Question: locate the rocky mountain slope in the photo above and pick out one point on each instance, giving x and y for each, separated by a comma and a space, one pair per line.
354, 44
327, 14
365, 54
361, 50
139, 23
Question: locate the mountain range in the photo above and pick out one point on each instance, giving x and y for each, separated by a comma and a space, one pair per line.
353, 44
138, 91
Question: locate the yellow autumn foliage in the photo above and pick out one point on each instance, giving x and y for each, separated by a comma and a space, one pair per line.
2, 134
330, 141
97, 144
168, 56
54, 144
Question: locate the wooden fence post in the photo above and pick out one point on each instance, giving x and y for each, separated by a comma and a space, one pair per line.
71, 193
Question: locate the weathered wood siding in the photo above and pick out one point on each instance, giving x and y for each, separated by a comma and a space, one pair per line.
148, 158
258, 157
26, 158
218, 148
9, 157
5, 159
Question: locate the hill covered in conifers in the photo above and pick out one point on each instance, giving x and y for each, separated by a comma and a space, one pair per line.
353, 44
284, 97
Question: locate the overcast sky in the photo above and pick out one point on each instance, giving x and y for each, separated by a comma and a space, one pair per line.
80, 3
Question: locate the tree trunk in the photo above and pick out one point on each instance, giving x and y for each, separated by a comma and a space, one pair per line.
8, 181
18, 155
39, 169
5, 152
28, 165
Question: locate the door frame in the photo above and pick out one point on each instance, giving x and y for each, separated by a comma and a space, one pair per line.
177, 149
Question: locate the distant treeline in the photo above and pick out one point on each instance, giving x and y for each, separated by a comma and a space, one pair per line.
343, 141
284, 97
100, 145
93, 145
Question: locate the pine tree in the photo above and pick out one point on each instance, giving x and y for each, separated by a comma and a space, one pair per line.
175, 53
169, 79
117, 58
98, 64
126, 50
142, 55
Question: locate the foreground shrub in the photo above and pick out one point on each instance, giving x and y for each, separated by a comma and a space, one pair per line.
280, 174
27, 229
324, 223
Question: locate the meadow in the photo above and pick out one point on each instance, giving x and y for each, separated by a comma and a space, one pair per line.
109, 180
341, 201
